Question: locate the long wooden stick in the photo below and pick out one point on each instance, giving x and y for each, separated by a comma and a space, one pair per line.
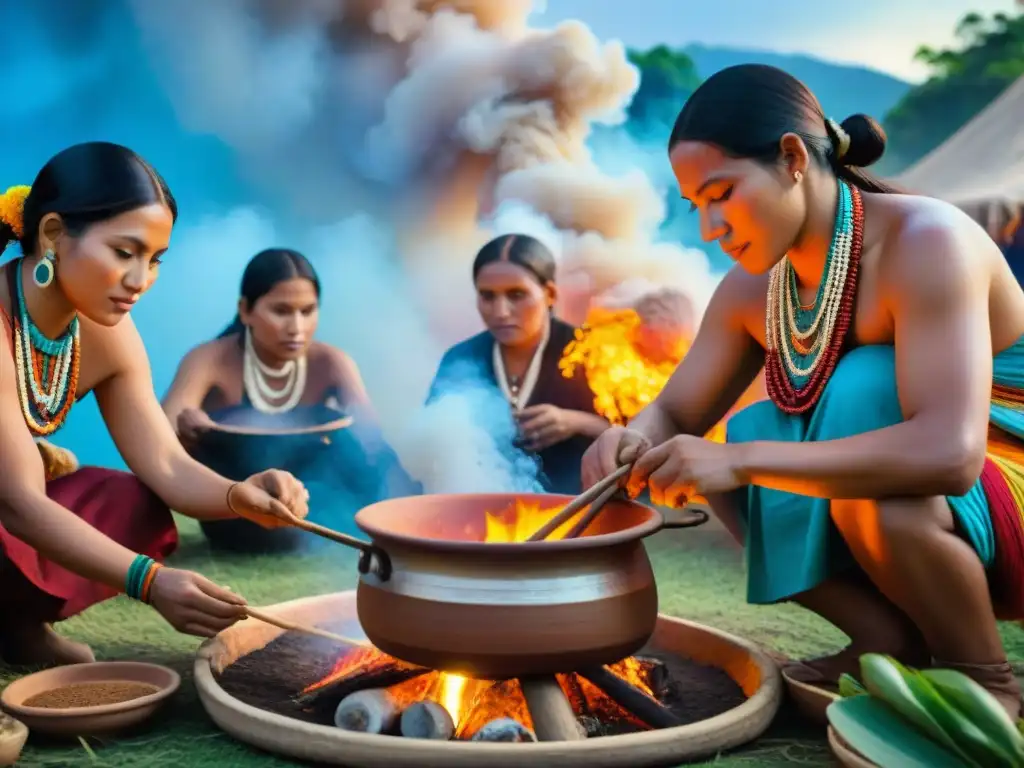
574, 506
595, 509
277, 621
328, 533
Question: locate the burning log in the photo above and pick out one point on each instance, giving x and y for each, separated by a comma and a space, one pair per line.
504, 729
426, 720
629, 697
553, 718
658, 678
369, 711
381, 676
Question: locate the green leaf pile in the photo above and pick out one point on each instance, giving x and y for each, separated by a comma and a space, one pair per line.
906, 718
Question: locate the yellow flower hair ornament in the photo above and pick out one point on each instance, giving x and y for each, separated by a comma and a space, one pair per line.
12, 208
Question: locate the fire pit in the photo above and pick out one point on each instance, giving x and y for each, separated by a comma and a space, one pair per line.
692, 691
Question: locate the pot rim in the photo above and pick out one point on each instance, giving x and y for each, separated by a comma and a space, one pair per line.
342, 422
382, 536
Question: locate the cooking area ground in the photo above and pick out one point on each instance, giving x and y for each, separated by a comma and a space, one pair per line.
305, 678
689, 691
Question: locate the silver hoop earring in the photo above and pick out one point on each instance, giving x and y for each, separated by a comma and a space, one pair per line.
43, 272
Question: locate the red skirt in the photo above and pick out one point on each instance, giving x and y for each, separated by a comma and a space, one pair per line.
115, 503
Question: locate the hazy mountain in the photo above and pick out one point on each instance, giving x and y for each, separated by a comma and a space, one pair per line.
843, 89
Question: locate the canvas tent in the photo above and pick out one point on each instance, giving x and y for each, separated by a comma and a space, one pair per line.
980, 168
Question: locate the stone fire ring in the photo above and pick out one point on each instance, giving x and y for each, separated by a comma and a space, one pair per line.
751, 668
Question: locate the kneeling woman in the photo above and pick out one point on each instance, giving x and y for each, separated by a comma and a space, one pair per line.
268, 372
518, 355
881, 484
93, 228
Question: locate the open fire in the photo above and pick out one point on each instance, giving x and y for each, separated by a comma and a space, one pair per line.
627, 362
473, 704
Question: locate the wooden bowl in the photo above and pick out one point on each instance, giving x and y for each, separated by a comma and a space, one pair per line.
13, 735
94, 720
845, 753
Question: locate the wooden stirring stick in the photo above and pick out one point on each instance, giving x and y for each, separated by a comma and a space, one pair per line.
590, 495
305, 629
595, 509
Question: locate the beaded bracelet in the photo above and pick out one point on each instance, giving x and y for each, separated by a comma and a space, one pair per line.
140, 577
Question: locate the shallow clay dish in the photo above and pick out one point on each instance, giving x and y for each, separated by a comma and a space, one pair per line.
810, 700
13, 734
93, 720
845, 753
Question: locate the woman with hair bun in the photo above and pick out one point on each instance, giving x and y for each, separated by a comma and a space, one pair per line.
93, 229
881, 485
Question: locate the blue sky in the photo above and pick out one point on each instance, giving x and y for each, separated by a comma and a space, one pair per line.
882, 34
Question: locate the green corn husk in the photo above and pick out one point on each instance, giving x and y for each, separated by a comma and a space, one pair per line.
981, 708
876, 731
850, 686
886, 679
972, 740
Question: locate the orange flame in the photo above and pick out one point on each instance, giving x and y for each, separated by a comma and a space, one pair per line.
473, 703
623, 379
520, 520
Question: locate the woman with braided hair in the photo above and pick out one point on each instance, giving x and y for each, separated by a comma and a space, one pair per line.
93, 228
881, 485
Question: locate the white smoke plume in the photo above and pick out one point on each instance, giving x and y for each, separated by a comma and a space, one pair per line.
441, 123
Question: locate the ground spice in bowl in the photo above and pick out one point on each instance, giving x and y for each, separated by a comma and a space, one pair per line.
93, 694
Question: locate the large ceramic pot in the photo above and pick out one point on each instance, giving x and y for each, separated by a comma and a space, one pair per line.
433, 592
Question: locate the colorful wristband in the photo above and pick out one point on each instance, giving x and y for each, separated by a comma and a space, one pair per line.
140, 577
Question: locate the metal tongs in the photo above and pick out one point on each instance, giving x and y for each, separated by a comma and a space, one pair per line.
599, 494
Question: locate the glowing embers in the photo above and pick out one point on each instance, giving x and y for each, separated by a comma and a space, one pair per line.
372, 692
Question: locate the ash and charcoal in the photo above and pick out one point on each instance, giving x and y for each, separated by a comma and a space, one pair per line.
273, 677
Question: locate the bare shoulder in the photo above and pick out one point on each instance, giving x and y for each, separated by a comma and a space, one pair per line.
739, 300
334, 360
740, 289
931, 245
213, 353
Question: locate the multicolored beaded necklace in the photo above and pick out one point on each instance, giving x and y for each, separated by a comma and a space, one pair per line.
47, 369
804, 344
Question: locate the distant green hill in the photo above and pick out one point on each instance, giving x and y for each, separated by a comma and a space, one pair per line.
842, 89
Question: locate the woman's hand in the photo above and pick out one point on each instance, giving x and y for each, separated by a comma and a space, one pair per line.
271, 499
614, 448
192, 424
542, 426
685, 466
193, 604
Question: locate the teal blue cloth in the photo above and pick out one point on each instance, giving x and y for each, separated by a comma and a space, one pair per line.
792, 545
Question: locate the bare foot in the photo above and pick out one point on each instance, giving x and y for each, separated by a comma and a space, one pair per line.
824, 671
38, 644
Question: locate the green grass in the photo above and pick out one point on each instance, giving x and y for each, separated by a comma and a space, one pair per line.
699, 577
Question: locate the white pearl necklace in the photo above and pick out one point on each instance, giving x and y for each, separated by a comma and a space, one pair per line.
255, 374
521, 395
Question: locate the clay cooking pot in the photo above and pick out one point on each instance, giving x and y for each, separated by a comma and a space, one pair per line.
432, 592
244, 442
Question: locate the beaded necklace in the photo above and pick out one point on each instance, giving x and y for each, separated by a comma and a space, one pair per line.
46, 369
804, 343
258, 389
